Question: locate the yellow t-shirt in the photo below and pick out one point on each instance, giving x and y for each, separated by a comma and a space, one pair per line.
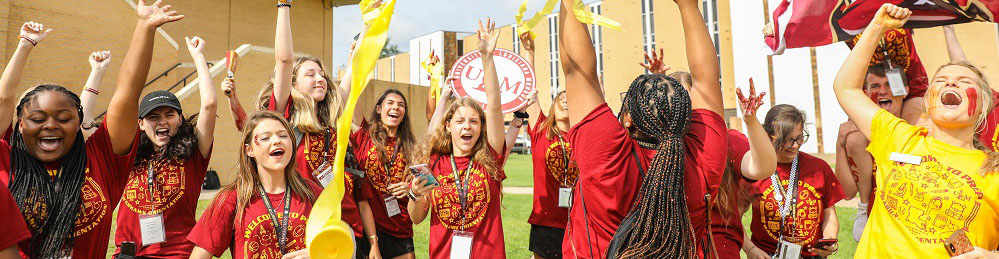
917, 207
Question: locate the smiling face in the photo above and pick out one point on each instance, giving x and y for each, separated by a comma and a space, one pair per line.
878, 89
789, 150
465, 128
560, 107
160, 125
310, 80
392, 110
270, 145
49, 125
952, 99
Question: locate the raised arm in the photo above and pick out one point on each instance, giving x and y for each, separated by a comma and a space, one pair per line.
488, 35
284, 57
510, 139
761, 160
99, 62
435, 120
534, 109
850, 78
124, 107
579, 63
705, 92
844, 170
954, 49
235, 108
209, 106
32, 33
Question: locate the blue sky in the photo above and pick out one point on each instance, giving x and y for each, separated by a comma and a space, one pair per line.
418, 17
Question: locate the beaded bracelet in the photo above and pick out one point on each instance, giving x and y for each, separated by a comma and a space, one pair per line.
33, 42
284, 5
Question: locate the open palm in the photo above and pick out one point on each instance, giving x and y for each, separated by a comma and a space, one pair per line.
154, 15
487, 37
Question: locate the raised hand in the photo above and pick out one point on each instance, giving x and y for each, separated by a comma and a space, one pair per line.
229, 87
655, 63
33, 33
751, 104
768, 29
154, 15
891, 16
527, 41
99, 60
448, 87
196, 46
487, 38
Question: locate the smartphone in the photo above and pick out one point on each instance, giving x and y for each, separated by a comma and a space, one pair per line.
958, 243
825, 242
128, 248
422, 171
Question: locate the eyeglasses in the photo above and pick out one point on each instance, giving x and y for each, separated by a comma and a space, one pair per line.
800, 140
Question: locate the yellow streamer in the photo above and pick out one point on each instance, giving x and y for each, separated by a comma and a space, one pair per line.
587, 17
327, 236
436, 72
523, 27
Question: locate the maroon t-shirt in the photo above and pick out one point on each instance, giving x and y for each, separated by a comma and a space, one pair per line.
378, 180
481, 216
553, 169
175, 194
604, 153
727, 231
312, 151
253, 235
15, 231
106, 176
818, 189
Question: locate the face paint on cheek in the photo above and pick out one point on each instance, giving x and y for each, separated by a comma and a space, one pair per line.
972, 101
873, 95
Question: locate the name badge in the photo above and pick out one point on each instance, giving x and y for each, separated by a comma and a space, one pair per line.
325, 174
905, 158
564, 197
788, 250
896, 83
461, 245
392, 206
151, 228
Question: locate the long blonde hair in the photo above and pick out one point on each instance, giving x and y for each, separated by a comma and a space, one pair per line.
440, 140
247, 177
548, 126
307, 115
985, 104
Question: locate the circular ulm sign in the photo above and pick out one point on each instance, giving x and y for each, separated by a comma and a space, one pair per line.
516, 79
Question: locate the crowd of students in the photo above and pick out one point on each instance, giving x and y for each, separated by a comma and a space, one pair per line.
663, 178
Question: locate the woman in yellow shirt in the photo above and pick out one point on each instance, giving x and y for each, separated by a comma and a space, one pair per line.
932, 180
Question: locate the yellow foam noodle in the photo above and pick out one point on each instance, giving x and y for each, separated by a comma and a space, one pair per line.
436, 71
523, 27
327, 236
587, 17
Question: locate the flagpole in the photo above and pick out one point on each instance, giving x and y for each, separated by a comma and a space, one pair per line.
815, 96
770, 59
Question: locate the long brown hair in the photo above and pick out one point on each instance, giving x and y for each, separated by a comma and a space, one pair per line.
985, 104
548, 126
440, 140
780, 121
404, 133
307, 114
247, 177
731, 191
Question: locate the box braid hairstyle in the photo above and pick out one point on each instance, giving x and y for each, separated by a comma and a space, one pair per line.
404, 132
658, 225
51, 215
180, 145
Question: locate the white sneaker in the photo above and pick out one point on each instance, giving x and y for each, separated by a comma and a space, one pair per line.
859, 221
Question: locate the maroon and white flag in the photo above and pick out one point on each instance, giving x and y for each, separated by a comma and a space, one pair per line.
812, 23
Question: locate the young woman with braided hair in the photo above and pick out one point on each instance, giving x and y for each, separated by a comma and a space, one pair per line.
465, 153
67, 187
660, 196
795, 205
948, 179
262, 214
172, 160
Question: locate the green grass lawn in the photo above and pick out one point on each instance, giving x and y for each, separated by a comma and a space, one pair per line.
517, 207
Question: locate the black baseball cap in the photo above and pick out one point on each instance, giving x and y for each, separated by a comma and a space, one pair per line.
158, 99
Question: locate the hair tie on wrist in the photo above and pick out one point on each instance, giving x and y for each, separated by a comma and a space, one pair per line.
94, 91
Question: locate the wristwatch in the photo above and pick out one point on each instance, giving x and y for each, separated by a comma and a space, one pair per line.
521, 114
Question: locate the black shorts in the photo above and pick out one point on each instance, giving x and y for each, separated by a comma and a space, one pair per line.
390, 246
546, 242
362, 247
